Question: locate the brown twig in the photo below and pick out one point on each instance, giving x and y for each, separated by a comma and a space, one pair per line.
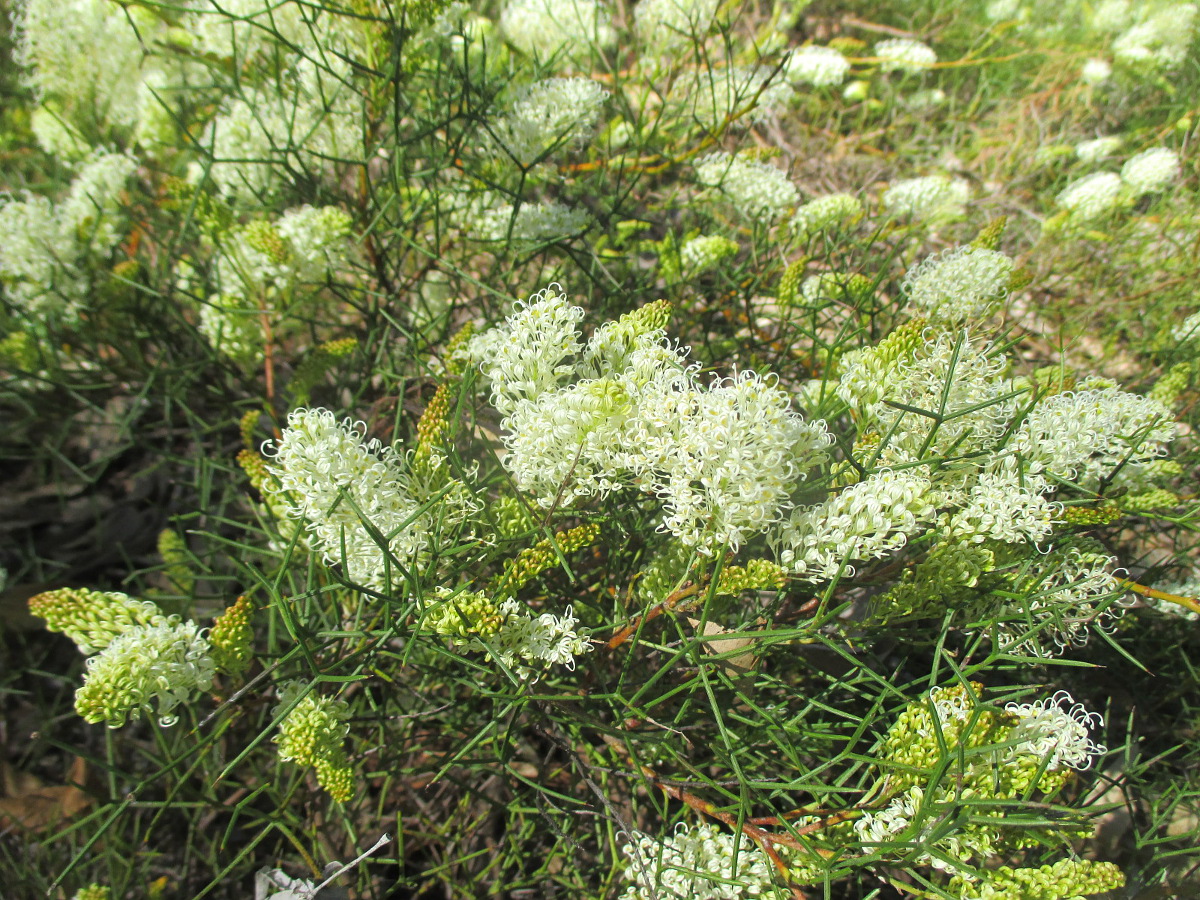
673, 601
1186, 602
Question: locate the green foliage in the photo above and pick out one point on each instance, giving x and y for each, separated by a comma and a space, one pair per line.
688, 452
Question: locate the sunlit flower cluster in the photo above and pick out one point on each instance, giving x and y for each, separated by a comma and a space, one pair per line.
755, 189
352, 492
697, 863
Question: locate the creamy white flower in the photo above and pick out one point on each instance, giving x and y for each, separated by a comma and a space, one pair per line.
959, 285
1152, 170
352, 492
530, 223
697, 863
905, 55
527, 354
1091, 196
826, 213
1095, 71
671, 24
1003, 506
148, 667
549, 28
1085, 435
1060, 736
931, 197
865, 521
553, 114
1098, 148
818, 66
757, 190
715, 98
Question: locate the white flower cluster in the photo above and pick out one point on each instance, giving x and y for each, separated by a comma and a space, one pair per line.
158, 664
550, 28
670, 24
524, 641
929, 198
865, 521
258, 262
960, 285
1151, 171
1158, 37
702, 253
755, 189
45, 246
949, 399
1091, 196
263, 138
817, 66
86, 62
1001, 506
723, 458
352, 492
529, 223
1066, 587
545, 116
1187, 587
1059, 736
1086, 435
1188, 329
1095, 72
1099, 148
697, 863
715, 98
825, 214
905, 55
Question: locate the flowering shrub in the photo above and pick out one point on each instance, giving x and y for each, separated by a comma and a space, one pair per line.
633, 452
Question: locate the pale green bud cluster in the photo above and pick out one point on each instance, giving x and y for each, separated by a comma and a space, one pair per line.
664, 571
93, 892
543, 555
1067, 879
231, 638
312, 734
755, 575
94, 619
846, 288
464, 616
172, 548
950, 749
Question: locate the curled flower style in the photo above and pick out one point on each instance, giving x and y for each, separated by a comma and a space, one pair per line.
353, 492
697, 863
147, 667
959, 285
865, 521
1061, 736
